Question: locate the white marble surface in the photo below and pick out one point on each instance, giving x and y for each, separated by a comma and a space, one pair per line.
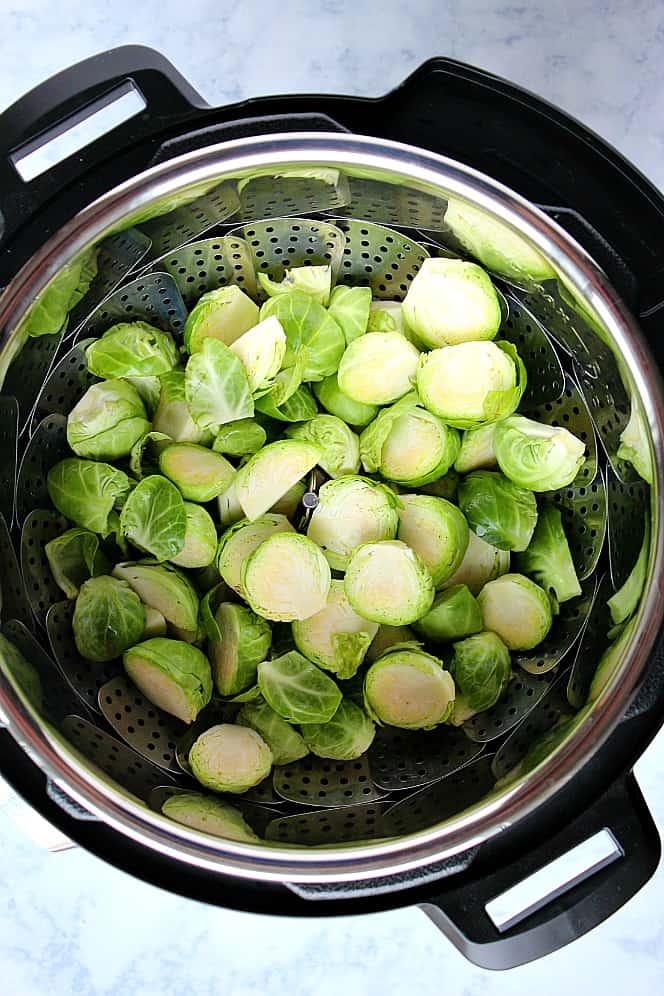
68, 923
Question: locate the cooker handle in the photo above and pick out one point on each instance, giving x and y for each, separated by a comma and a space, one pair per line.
132, 73
575, 907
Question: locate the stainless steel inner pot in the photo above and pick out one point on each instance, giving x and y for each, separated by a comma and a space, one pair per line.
247, 186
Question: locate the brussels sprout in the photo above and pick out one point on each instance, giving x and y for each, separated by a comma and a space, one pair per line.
351, 511
472, 383
436, 530
229, 758
388, 583
270, 473
286, 578
410, 689
230, 510
536, 456
285, 742
240, 541
548, 559
297, 690
132, 349
336, 638
349, 306
387, 637
378, 369
494, 244
299, 407
517, 610
481, 563
217, 387
199, 473
345, 737
223, 314
49, 313
623, 604
86, 492
155, 624
497, 510
201, 812
153, 518
107, 421
481, 667
75, 557
108, 618
149, 391
291, 502
339, 446
453, 615
333, 399
407, 444
144, 456
173, 417
172, 675
477, 449
311, 333
451, 301
610, 661
315, 281
164, 588
200, 538
261, 350
245, 642
634, 444
241, 438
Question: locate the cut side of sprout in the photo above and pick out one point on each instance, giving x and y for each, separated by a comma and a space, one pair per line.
173, 675
336, 638
239, 542
351, 511
378, 369
201, 812
452, 301
436, 530
271, 472
199, 473
517, 610
229, 758
388, 583
200, 539
286, 578
409, 689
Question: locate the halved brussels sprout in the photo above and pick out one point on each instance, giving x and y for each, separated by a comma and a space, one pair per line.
107, 421
477, 449
472, 383
498, 511
315, 281
481, 563
200, 538
336, 638
313, 337
410, 689
290, 503
173, 417
153, 518
517, 609
407, 444
537, 456
245, 641
339, 446
262, 350
223, 314
548, 558
387, 637
388, 583
349, 306
132, 349
201, 812
286, 578
378, 369
297, 690
217, 387
172, 675
86, 492
624, 602
270, 473
108, 618
283, 740
240, 541
75, 557
453, 615
333, 399
452, 301
230, 510
241, 438
634, 444
436, 530
350, 511
199, 473
481, 667
164, 588
345, 737
229, 758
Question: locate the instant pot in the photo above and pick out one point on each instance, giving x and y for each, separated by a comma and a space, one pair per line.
181, 197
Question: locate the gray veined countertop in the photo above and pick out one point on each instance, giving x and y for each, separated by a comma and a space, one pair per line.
70, 924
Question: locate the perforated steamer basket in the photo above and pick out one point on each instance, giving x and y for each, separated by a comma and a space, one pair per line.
422, 817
